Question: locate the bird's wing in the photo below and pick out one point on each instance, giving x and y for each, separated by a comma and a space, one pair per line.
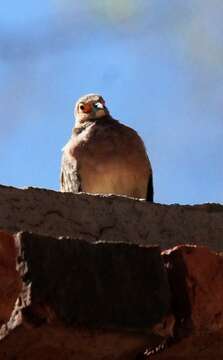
69, 177
149, 196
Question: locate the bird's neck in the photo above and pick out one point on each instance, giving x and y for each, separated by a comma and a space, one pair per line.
81, 126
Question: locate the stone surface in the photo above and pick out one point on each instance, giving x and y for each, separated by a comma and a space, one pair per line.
50, 342
10, 282
55, 341
100, 284
13, 293
110, 218
197, 347
109, 300
196, 281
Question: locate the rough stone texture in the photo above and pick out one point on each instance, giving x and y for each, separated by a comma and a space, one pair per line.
50, 342
101, 284
197, 347
196, 280
110, 300
12, 291
126, 285
10, 282
55, 341
110, 218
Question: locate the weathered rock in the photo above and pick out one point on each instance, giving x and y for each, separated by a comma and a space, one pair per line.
101, 284
97, 300
110, 218
196, 280
56, 341
10, 282
12, 291
197, 347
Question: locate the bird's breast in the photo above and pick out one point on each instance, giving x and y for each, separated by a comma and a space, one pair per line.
111, 161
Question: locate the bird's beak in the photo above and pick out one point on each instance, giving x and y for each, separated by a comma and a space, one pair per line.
87, 108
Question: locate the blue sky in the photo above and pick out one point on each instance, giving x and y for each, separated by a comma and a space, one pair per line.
158, 64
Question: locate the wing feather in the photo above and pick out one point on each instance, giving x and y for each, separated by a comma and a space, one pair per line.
69, 177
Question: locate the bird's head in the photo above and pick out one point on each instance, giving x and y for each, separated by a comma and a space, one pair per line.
89, 108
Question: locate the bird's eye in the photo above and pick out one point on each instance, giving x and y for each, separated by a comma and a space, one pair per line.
98, 105
82, 107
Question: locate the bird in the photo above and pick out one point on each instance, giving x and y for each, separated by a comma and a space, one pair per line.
104, 156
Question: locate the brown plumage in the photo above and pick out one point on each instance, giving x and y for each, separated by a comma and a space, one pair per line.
104, 156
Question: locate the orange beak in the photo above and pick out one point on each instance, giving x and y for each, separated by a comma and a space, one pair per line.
87, 108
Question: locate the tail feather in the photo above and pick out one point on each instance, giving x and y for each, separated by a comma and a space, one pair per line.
150, 193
